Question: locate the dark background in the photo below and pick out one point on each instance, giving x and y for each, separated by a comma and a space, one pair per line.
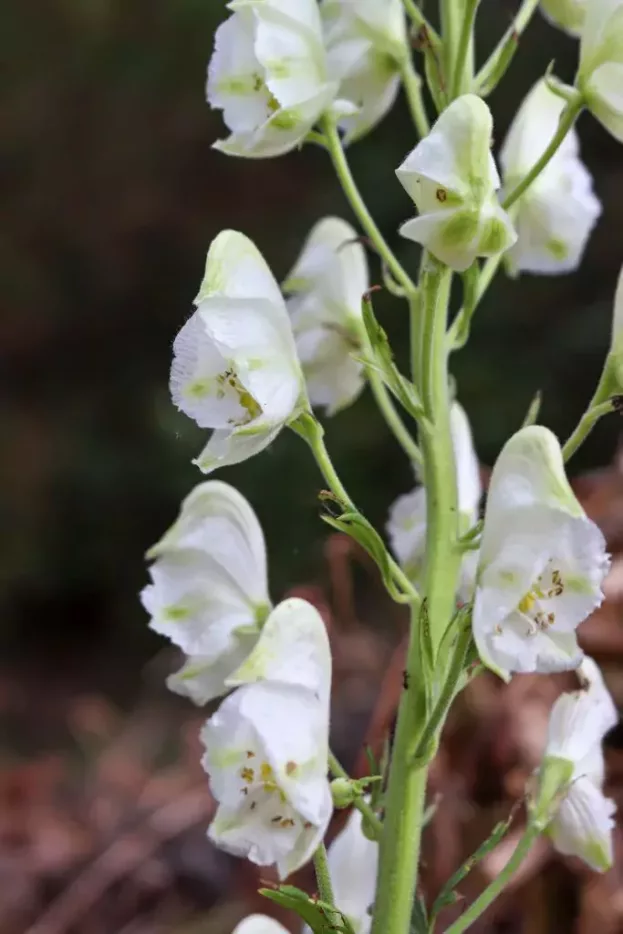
110, 196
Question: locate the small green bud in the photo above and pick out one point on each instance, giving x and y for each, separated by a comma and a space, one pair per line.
344, 791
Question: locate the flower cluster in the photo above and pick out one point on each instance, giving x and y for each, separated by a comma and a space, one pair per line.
267, 745
256, 357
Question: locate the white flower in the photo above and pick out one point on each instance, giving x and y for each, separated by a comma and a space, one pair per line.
268, 75
542, 561
557, 213
353, 863
235, 367
293, 648
259, 924
267, 758
582, 822
366, 43
452, 178
326, 287
600, 75
568, 14
209, 590
407, 519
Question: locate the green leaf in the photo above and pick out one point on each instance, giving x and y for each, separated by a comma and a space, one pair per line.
449, 895
321, 917
358, 528
419, 922
533, 410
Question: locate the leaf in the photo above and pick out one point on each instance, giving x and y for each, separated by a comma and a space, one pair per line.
321, 917
358, 528
419, 922
533, 410
448, 895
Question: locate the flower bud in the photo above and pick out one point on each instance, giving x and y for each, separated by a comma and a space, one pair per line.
343, 792
452, 178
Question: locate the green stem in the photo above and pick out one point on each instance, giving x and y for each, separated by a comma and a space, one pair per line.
404, 810
462, 320
338, 771
597, 407
450, 34
439, 713
499, 883
392, 418
323, 875
495, 67
442, 555
567, 119
313, 434
459, 84
412, 83
344, 174
421, 23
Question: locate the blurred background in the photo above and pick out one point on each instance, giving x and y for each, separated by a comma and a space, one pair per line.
110, 196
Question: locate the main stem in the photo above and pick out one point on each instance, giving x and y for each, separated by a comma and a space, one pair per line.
342, 168
442, 554
405, 797
406, 789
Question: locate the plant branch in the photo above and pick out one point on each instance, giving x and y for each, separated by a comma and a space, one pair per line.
567, 119
344, 174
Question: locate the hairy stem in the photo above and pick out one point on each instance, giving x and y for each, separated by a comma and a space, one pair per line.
344, 174
442, 555
323, 875
404, 808
412, 83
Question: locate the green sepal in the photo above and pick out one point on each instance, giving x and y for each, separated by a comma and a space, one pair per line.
321, 917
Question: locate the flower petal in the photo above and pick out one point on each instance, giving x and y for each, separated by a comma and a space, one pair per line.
293, 648
353, 863
583, 825
283, 131
530, 471
568, 14
406, 529
235, 268
217, 519
557, 213
455, 152
290, 50
604, 95
194, 602
332, 263
202, 679
259, 924
235, 82
469, 487
226, 448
